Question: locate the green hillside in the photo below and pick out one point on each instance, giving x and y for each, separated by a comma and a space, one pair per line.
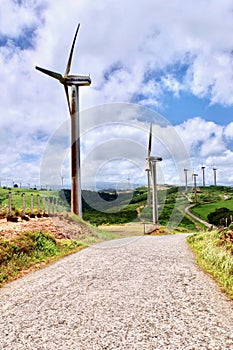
103, 207
17, 200
210, 199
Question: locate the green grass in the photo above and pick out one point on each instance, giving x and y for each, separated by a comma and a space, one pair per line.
98, 235
215, 257
105, 210
17, 200
211, 198
31, 249
202, 210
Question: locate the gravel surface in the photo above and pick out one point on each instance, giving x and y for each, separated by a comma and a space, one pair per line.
133, 293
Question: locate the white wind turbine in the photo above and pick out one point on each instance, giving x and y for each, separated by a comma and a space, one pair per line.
73, 81
151, 168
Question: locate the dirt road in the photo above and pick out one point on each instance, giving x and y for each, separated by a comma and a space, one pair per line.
131, 293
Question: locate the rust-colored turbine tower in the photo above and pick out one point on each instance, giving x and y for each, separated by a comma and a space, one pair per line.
195, 187
74, 82
148, 169
215, 176
186, 179
203, 175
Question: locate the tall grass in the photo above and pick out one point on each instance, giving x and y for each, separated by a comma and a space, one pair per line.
215, 257
31, 249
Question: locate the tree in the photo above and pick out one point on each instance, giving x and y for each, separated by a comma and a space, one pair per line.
219, 216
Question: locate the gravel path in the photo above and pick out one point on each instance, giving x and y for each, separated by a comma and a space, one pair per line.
133, 293
188, 212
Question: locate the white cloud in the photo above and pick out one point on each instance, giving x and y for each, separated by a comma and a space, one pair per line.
133, 53
228, 131
207, 143
15, 16
203, 135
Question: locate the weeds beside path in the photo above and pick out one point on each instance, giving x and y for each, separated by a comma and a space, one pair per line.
29, 245
215, 255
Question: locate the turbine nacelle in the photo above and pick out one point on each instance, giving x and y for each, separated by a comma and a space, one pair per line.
80, 80
154, 159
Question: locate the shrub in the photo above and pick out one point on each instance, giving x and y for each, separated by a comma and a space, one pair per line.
219, 214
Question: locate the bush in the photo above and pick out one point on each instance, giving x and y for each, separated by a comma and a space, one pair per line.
29, 249
218, 216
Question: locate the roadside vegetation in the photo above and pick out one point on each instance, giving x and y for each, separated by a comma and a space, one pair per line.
214, 253
214, 249
31, 249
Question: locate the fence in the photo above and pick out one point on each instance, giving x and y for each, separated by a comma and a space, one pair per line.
30, 206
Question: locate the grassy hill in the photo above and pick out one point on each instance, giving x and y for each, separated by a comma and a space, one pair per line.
111, 207
123, 207
211, 199
17, 200
106, 207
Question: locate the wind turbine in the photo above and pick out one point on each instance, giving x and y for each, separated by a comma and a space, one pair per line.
186, 179
203, 175
215, 176
73, 81
195, 186
148, 168
152, 160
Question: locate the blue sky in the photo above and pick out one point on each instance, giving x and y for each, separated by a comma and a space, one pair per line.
174, 60
179, 109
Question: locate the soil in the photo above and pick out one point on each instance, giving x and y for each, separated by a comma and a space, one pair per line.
59, 226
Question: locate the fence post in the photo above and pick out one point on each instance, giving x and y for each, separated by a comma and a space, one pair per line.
44, 204
32, 204
24, 204
53, 204
10, 204
48, 206
38, 204
57, 206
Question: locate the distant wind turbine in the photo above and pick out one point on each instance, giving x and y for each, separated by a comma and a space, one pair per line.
186, 179
73, 81
148, 168
195, 186
215, 176
203, 175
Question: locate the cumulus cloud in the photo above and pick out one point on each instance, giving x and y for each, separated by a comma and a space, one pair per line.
205, 136
134, 53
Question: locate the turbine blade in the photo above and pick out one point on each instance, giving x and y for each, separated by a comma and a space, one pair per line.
150, 141
67, 97
71, 52
55, 75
